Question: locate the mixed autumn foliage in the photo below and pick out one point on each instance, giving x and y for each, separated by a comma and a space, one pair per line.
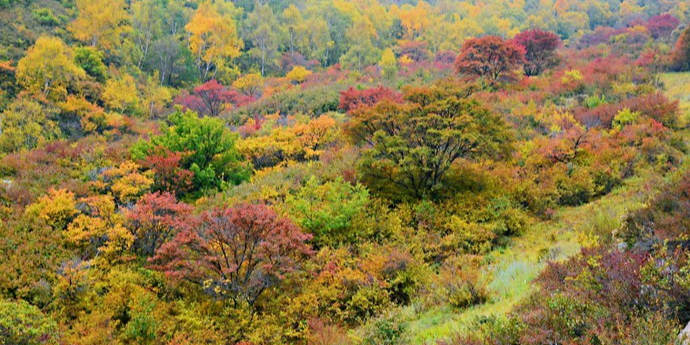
215, 172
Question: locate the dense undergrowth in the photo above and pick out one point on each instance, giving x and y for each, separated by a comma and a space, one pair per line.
343, 172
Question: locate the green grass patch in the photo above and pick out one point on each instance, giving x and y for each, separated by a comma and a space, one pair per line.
514, 268
677, 86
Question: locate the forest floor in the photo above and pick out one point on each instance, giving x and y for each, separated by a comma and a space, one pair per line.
512, 269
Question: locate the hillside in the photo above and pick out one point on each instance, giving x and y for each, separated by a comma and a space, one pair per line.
335, 172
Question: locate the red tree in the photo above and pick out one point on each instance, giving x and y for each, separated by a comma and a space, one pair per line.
662, 25
352, 98
540, 50
169, 175
209, 98
415, 50
490, 57
155, 219
681, 53
214, 96
235, 253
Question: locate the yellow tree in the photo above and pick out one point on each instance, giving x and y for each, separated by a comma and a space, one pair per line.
388, 64
250, 84
213, 37
415, 20
121, 93
298, 74
48, 68
100, 23
294, 24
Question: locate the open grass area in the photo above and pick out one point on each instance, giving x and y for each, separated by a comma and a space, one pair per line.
514, 268
677, 86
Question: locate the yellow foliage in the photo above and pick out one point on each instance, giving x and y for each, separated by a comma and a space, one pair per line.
250, 83
213, 35
121, 93
388, 63
83, 229
48, 68
100, 22
56, 208
91, 116
155, 96
387, 58
300, 142
571, 76
126, 183
314, 135
119, 241
405, 60
415, 20
298, 74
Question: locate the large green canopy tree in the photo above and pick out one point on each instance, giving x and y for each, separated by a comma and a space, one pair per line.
410, 148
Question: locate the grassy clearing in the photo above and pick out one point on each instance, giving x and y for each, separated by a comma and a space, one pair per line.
677, 87
514, 268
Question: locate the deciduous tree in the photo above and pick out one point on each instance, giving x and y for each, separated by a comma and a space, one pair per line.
326, 210
24, 324
235, 253
680, 58
388, 64
298, 74
100, 23
352, 98
155, 219
208, 147
263, 33
48, 68
213, 37
490, 57
540, 50
410, 148
250, 84
25, 125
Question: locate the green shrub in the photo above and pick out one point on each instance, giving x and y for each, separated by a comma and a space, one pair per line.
576, 189
23, 324
386, 331
312, 101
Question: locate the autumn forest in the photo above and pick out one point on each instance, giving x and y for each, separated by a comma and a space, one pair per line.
344, 172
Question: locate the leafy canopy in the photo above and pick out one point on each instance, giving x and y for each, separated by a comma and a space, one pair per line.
410, 148
208, 147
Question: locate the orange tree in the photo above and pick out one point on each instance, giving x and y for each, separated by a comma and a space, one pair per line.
490, 57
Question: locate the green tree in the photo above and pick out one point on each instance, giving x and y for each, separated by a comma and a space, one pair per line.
208, 147
410, 148
326, 210
362, 52
263, 34
91, 61
293, 22
23, 324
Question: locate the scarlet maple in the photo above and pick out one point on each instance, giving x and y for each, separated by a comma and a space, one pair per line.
209, 98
